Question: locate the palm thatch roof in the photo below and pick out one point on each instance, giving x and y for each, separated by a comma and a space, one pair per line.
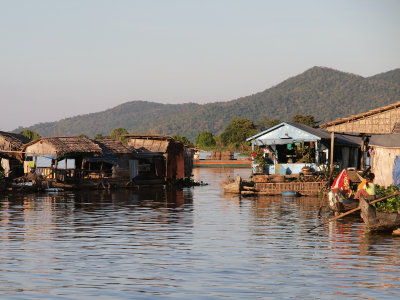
63, 145
111, 146
12, 141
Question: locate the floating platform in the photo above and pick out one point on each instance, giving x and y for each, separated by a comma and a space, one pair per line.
208, 163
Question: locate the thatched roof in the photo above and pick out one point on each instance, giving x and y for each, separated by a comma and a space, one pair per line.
150, 143
66, 144
110, 146
12, 141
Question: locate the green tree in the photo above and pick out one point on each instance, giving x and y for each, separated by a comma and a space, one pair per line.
118, 134
30, 134
205, 139
83, 135
305, 119
266, 123
183, 140
238, 130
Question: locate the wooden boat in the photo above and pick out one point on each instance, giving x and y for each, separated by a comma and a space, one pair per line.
340, 204
378, 221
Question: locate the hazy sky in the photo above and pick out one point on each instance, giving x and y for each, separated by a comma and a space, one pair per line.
64, 58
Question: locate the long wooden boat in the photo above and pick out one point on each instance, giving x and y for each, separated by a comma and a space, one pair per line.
378, 221
222, 163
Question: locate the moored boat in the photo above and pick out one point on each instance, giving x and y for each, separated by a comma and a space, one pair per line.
378, 221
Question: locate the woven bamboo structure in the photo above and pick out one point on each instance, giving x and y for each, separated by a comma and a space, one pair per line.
383, 120
304, 188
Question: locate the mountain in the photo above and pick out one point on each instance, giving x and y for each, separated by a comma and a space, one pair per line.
323, 92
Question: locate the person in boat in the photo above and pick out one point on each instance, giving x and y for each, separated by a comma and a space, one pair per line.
367, 187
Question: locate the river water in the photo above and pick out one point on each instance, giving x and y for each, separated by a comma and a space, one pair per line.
190, 244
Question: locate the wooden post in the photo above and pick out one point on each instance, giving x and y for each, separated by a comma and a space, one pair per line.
316, 153
55, 167
331, 152
362, 152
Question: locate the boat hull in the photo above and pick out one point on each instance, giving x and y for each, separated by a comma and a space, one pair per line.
378, 221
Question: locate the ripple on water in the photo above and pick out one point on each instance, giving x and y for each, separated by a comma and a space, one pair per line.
196, 243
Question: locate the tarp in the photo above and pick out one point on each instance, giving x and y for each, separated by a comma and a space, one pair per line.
396, 172
342, 183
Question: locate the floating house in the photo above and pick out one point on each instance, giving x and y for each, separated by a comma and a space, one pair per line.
379, 129
289, 147
61, 158
160, 157
116, 159
10, 153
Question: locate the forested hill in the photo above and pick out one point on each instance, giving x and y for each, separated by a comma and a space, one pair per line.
325, 93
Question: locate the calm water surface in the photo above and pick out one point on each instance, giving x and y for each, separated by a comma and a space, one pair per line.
190, 244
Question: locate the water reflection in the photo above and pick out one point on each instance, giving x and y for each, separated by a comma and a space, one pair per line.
195, 243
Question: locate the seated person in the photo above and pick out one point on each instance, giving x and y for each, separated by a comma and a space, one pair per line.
366, 188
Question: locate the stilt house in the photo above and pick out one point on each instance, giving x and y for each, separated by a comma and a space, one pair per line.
61, 158
115, 160
288, 147
159, 156
10, 153
379, 130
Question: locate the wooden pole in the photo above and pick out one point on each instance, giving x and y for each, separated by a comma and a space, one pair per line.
352, 210
331, 153
362, 151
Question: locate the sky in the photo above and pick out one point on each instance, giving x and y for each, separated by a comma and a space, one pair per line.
70, 57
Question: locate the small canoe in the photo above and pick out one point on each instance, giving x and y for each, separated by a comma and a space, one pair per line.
378, 221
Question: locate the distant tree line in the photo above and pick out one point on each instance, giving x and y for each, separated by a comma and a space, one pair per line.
233, 137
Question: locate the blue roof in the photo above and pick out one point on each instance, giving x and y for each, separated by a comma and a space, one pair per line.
285, 133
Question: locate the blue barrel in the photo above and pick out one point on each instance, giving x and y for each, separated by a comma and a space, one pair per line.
290, 194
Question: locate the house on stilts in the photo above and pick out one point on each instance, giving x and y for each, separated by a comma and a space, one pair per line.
379, 130
10, 153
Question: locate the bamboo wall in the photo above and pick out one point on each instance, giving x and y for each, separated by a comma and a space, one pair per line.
304, 188
375, 122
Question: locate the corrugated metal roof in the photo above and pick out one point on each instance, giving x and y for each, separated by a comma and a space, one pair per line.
295, 132
385, 140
